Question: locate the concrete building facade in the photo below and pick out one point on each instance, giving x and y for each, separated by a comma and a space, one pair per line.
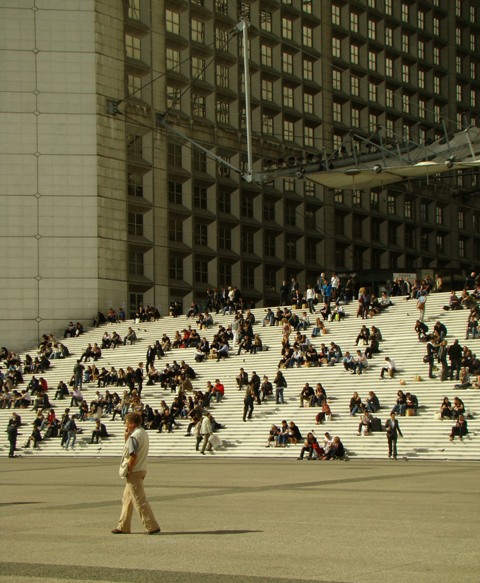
103, 206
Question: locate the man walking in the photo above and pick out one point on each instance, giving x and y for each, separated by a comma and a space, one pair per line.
393, 430
134, 469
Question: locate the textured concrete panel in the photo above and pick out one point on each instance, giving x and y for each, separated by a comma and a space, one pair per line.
17, 103
68, 216
66, 72
18, 135
18, 216
67, 175
68, 257
59, 297
19, 298
19, 174
66, 134
64, 30
21, 259
66, 103
17, 28
17, 72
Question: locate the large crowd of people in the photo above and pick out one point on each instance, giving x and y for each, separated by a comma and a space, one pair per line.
300, 318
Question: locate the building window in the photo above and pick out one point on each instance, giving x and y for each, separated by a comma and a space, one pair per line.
267, 124
287, 62
266, 55
335, 15
173, 60
461, 248
372, 60
175, 230
307, 6
174, 96
405, 43
423, 212
247, 242
421, 79
135, 185
287, 96
473, 98
307, 36
424, 243
135, 224
473, 42
266, 20
175, 270
221, 76
288, 130
354, 86
353, 22
409, 236
374, 200
389, 67
406, 103
199, 105
436, 55
336, 47
388, 7
269, 245
174, 154
172, 21
355, 117
422, 105
225, 238
338, 196
201, 271
221, 6
224, 273
440, 243
354, 54
291, 249
287, 28
246, 207
198, 68
221, 39
436, 113
175, 192
421, 19
392, 234
224, 202
408, 209
307, 70
290, 215
198, 31
357, 197
308, 103
473, 14
436, 84
372, 122
339, 224
458, 36
267, 90
336, 79
201, 234
199, 161
223, 112
133, 47
458, 93
308, 136
337, 112
389, 128
461, 219
391, 204
436, 25
372, 29
421, 49
389, 97
134, 9
309, 188
405, 12
269, 210
200, 197
311, 250
406, 73
135, 263
248, 276
439, 215
389, 36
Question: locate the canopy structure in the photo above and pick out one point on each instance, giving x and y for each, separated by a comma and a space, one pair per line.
461, 152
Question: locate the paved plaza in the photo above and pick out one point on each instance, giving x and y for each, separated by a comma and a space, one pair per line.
243, 521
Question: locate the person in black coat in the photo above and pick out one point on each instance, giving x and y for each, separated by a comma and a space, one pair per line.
393, 430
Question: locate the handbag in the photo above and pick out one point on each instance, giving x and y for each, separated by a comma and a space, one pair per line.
214, 441
123, 470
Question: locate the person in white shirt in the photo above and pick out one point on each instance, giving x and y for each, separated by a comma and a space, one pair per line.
388, 368
206, 431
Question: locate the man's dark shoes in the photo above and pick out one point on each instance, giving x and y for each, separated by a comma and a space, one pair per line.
154, 531
118, 531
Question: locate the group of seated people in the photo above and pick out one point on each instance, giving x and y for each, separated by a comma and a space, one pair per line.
371, 403
331, 449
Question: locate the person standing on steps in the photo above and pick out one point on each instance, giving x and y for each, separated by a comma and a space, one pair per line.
134, 469
393, 430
